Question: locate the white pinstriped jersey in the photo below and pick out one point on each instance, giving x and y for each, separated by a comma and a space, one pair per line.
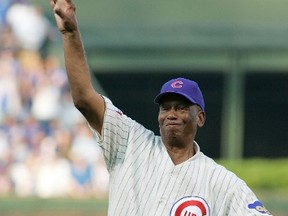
145, 182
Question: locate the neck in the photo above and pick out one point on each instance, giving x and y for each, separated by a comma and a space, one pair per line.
180, 155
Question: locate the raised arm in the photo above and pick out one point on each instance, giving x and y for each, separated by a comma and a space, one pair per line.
85, 98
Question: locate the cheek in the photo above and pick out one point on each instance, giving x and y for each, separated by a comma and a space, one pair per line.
161, 123
191, 121
160, 119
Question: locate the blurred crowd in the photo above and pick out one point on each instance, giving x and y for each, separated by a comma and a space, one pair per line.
46, 147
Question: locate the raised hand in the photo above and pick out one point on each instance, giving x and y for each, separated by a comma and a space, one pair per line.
65, 15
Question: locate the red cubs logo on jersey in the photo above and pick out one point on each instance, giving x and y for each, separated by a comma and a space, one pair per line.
177, 84
190, 206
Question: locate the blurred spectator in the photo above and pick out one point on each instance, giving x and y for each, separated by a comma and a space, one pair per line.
46, 147
30, 27
82, 174
10, 99
100, 179
52, 172
4, 5
84, 156
45, 103
83, 145
22, 178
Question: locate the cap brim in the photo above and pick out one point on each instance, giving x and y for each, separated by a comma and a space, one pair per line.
159, 97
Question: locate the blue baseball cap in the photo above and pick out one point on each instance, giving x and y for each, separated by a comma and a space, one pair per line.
185, 87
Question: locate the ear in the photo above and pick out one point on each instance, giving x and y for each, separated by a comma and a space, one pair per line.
201, 118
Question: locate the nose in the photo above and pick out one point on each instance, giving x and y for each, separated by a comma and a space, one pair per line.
172, 114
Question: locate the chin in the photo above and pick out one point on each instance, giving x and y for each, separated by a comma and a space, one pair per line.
174, 140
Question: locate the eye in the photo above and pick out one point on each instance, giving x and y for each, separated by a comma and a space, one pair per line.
164, 107
182, 107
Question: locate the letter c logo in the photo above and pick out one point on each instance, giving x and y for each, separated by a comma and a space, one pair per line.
177, 84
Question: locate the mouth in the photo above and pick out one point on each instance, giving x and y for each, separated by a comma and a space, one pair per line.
172, 124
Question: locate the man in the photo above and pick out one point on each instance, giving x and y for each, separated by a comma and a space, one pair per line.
153, 175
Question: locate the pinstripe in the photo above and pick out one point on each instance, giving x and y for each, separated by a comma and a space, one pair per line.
196, 170
186, 176
154, 186
137, 180
173, 184
144, 181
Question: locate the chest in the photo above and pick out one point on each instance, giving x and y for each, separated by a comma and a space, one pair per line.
155, 184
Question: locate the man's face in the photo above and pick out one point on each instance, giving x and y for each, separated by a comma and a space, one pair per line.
179, 119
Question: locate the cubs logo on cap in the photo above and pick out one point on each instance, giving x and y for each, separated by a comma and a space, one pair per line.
185, 87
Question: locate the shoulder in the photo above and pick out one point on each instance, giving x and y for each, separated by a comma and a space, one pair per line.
116, 120
212, 170
218, 174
